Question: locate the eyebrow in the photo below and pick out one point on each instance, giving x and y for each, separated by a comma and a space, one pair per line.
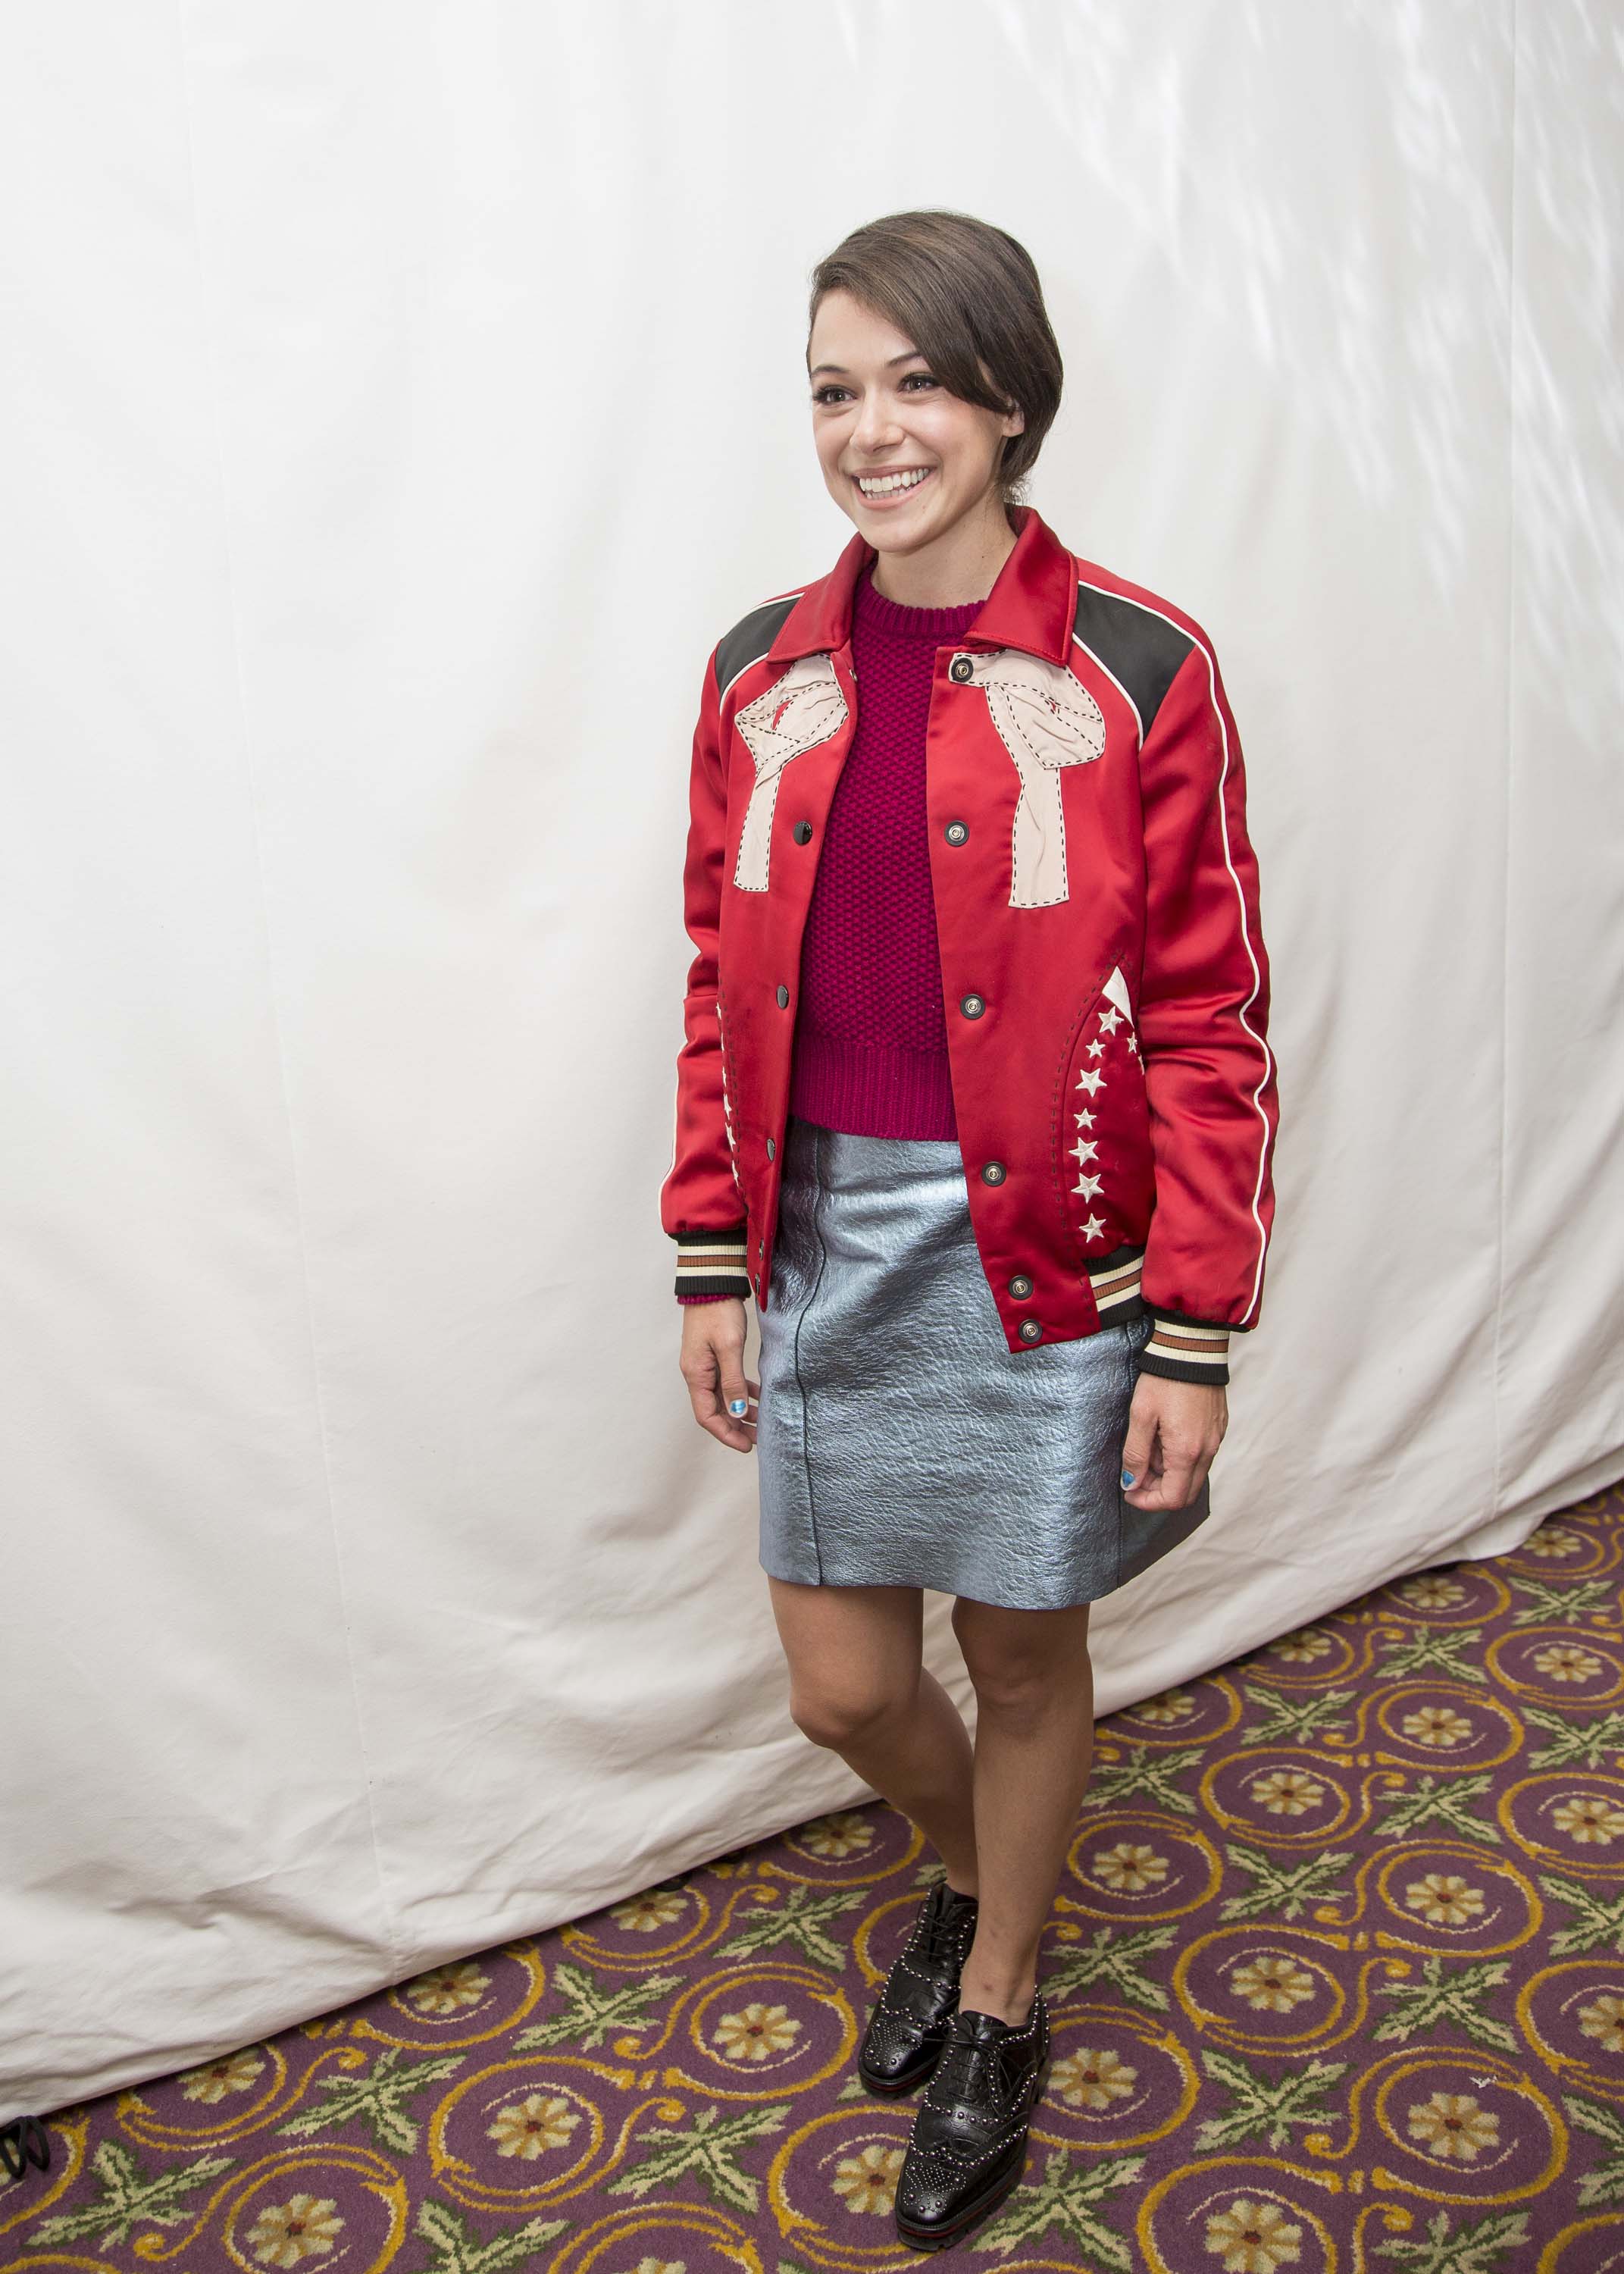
906, 356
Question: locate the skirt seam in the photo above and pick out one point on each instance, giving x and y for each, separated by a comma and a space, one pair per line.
818, 1167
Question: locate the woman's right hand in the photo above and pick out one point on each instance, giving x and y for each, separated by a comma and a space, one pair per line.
712, 1363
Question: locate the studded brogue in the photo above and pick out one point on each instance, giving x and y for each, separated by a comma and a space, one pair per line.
910, 2021
968, 2146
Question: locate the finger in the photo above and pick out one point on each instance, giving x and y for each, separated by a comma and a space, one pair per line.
1198, 1472
706, 1370
1138, 1446
1169, 1488
735, 1390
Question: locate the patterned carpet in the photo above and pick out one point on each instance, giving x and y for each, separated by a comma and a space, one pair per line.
1337, 1968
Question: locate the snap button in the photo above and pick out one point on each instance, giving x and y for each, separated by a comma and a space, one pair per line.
1020, 1286
972, 1005
771, 1149
961, 668
801, 832
993, 1172
783, 996
955, 832
1030, 1330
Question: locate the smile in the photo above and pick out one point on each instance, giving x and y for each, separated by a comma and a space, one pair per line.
886, 489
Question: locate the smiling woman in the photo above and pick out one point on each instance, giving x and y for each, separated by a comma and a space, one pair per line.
974, 1096
932, 390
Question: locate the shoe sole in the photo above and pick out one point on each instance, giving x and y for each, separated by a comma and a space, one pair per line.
940, 2238
886, 2088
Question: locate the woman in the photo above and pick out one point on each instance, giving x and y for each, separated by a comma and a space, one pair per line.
974, 1095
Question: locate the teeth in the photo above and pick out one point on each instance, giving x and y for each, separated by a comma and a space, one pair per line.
876, 484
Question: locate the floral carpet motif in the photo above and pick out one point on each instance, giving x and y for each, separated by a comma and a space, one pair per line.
1337, 1968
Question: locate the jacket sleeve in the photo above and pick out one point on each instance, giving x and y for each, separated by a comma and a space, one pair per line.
701, 1207
1203, 1010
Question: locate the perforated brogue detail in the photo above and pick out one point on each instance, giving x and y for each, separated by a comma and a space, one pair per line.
968, 2142
912, 2017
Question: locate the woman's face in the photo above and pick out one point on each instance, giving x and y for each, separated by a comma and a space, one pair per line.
878, 411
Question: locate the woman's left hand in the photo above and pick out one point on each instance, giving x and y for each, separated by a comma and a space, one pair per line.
1174, 1429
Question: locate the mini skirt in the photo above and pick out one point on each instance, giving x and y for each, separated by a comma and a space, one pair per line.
899, 1440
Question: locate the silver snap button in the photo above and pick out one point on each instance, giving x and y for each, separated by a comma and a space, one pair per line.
955, 832
1020, 1286
972, 1005
961, 668
783, 996
1030, 1330
993, 1172
771, 1149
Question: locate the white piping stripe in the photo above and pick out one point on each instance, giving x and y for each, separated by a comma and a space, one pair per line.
1240, 897
1109, 673
743, 667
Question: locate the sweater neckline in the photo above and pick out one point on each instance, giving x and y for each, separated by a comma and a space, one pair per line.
901, 621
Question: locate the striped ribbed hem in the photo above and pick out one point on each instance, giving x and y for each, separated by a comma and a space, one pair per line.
712, 1263
1182, 1351
1115, 1279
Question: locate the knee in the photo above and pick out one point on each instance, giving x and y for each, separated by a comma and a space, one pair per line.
841, 1717
1022, 1689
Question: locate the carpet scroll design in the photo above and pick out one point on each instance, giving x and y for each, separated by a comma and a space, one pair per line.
1337, 1968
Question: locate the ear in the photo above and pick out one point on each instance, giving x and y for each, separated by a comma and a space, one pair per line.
1015, 423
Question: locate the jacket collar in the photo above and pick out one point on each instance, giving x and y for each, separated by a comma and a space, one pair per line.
1032, 606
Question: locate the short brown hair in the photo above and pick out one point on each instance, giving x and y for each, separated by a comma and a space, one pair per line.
966, 294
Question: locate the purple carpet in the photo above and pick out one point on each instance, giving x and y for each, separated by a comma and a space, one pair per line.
1336, 1969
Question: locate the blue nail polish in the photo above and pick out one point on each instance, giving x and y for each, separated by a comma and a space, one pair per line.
1127, 1477
738, 1405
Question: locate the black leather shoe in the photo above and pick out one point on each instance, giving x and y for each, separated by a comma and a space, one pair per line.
969, 2146
909, 2024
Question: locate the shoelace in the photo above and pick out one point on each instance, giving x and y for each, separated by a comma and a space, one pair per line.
961, 2073
942, 1936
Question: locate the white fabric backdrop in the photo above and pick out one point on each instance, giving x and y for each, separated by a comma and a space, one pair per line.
397, 403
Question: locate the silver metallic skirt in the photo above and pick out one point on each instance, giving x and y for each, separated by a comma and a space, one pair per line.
899, 1440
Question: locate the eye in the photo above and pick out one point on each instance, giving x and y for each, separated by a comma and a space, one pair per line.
826, 393
925, 375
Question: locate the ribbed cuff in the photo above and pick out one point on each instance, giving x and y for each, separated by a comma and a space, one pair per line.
1115, 1279
1184, 1350
713, 1262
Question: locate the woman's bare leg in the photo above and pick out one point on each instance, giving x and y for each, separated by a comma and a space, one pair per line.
1034, 1748
859, 1685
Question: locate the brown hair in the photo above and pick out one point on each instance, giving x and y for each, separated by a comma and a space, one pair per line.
966, 294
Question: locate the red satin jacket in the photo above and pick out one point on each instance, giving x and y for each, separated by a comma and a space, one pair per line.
1103, 961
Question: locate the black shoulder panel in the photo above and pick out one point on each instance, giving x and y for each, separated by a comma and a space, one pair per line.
1140, 649
750, 639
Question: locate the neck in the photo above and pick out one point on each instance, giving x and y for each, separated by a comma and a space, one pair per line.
959, 566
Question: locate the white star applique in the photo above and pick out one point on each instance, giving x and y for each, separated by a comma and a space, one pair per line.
1087, 1186
1083, 1120
1109, 1020
1133, 1042
1094, 1228
1085, 1149
1091, 1080
1096, 1049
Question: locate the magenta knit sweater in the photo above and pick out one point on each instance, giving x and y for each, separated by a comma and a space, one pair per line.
871, 1042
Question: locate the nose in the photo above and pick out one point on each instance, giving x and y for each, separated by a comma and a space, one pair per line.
877, 425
